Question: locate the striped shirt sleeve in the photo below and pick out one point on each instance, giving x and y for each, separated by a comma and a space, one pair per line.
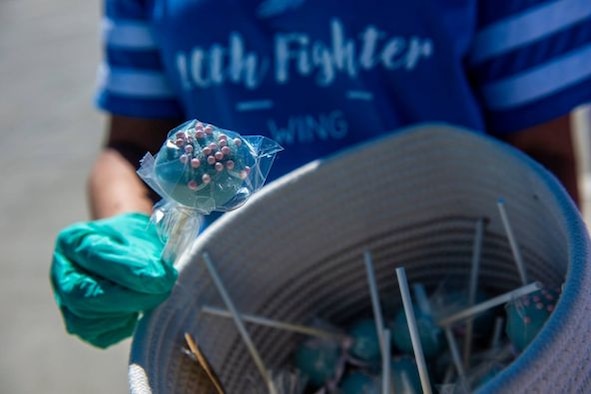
131, 79
531, 60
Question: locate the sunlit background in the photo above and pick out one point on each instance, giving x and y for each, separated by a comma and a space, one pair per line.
49, 135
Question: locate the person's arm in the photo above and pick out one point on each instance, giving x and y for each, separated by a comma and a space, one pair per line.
551, 144
114, 186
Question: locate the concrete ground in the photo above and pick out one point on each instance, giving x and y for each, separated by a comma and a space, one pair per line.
49, 133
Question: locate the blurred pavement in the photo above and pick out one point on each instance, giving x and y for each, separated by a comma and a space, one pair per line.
49, 135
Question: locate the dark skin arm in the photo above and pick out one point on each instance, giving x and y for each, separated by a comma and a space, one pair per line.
551, 144
114, 186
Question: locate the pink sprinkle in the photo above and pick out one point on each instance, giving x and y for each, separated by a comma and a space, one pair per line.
199, 134
247, 170
206, 151
179, 142
549, 297
181, 134
550, 308
219, 155
189, 148
184, 159
195, 163
540, 306
192, 185
222, 137
526, 319
237, 141
223, 142
206, 178
210, 160
230, 165
226, 150
536, 298
219, 167
243, 174
199, 125
208, 129
213, 146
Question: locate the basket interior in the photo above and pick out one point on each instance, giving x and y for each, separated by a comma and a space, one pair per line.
295, 252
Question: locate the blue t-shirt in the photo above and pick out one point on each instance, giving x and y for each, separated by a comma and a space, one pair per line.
318, 76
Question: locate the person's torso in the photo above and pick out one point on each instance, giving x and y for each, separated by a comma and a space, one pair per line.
318, 76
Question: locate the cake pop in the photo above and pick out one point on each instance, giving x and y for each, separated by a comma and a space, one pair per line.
365, 341
430, 333
319, 360
527, 315
205, 168
201, 168
357, 382
404, 376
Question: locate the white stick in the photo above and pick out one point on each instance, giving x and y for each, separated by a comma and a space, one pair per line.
375, 300
493, 302
239, 324
512, 242
498, 330
280, 325
473, 286
455, 355
386, 358
422, 299
414, 332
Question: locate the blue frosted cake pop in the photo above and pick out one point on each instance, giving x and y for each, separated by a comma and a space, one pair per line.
405, 375
357, 382
527, 315
365, 342
203, 167
319, 360
404, 379
452, 301
430, 333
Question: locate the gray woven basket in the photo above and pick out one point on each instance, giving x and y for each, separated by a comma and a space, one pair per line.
294, 253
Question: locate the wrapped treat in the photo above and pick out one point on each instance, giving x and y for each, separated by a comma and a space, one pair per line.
365, 342
527, 315
321, 361
359, 382
201, 168
431, 334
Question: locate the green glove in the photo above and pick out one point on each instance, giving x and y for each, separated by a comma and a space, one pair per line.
105, 273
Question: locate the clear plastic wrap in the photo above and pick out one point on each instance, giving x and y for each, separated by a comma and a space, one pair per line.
199, 169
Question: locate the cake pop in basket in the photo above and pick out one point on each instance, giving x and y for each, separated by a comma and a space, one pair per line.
201, 168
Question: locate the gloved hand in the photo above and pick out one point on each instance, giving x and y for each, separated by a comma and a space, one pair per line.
105, 273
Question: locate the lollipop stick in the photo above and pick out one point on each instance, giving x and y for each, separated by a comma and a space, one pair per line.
422, 299
497, 332
375, 300
473, 286
512, 242
414, 332
200, 358
182, 233
493, 302
239, 324
386, 364
280, 325
455, 355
